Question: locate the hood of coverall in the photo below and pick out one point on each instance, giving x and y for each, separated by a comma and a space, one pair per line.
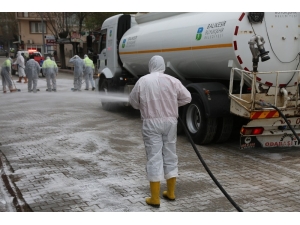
85, 56
157, 64
47, 57
18, 53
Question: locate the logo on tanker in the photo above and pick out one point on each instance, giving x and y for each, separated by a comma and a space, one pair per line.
123, 44
199, 33
110, 33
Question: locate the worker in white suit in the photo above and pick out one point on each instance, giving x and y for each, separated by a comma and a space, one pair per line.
21, 67
88, 73
78, 71
158, 96
5, 75
32, 70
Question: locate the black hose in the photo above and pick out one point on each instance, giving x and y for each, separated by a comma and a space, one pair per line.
207, 169
287, 122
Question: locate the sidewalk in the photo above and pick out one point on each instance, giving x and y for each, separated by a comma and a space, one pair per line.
65, 71
69, 71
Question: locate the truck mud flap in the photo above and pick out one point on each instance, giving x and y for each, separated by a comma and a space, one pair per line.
249, 142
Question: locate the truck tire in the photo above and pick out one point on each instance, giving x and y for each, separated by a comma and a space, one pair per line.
180, 128
224, 129
201, 128
104, 89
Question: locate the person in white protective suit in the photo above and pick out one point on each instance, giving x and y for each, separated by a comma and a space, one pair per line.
50, 70
32, 70
21, 67
158, 96
88, 72
78, 71
5, 75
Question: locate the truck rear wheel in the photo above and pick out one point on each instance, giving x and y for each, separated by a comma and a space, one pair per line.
224, 129
201, 128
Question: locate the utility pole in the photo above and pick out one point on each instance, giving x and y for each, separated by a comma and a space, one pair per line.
43, 34
6, 30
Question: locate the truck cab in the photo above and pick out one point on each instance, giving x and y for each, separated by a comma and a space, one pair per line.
109, 64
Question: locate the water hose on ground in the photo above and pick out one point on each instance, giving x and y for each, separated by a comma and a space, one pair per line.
207, 169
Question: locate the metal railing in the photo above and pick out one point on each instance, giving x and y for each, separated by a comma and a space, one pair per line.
252, 77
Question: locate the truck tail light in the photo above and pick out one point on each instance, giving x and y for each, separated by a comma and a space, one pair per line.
252, 130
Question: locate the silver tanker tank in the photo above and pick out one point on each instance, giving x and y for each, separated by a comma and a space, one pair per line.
199, 45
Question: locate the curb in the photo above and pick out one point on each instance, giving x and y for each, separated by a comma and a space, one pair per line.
18, 200
95, 76
65, 71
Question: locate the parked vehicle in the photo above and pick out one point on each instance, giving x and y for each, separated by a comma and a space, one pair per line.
3, 52
37, 57
216, 56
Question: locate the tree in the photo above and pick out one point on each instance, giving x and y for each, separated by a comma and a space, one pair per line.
81, 16
57, 24
94, 20
8, 28
60, 24
79, 20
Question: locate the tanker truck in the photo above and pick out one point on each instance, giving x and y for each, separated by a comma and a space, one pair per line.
238, 66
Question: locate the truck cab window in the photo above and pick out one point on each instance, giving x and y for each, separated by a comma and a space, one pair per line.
102, 42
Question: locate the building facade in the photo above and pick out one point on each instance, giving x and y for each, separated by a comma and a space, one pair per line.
34, 33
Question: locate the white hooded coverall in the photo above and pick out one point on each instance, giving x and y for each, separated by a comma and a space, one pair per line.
5, 74
78, 71
32, 70
158, 96
88, 72
50, 70
21, 64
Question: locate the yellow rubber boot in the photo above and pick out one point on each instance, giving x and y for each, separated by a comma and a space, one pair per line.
154, 200
170, 192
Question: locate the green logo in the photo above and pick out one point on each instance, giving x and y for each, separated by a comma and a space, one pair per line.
199, 33
123, 44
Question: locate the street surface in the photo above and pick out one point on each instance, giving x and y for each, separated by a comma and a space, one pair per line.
61, 152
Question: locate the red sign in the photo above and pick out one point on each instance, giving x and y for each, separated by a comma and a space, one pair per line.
50, 41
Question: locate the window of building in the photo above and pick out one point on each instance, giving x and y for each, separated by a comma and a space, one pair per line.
36, 27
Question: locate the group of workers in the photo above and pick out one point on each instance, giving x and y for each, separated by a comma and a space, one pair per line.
83, 68
30, 72
157, 96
